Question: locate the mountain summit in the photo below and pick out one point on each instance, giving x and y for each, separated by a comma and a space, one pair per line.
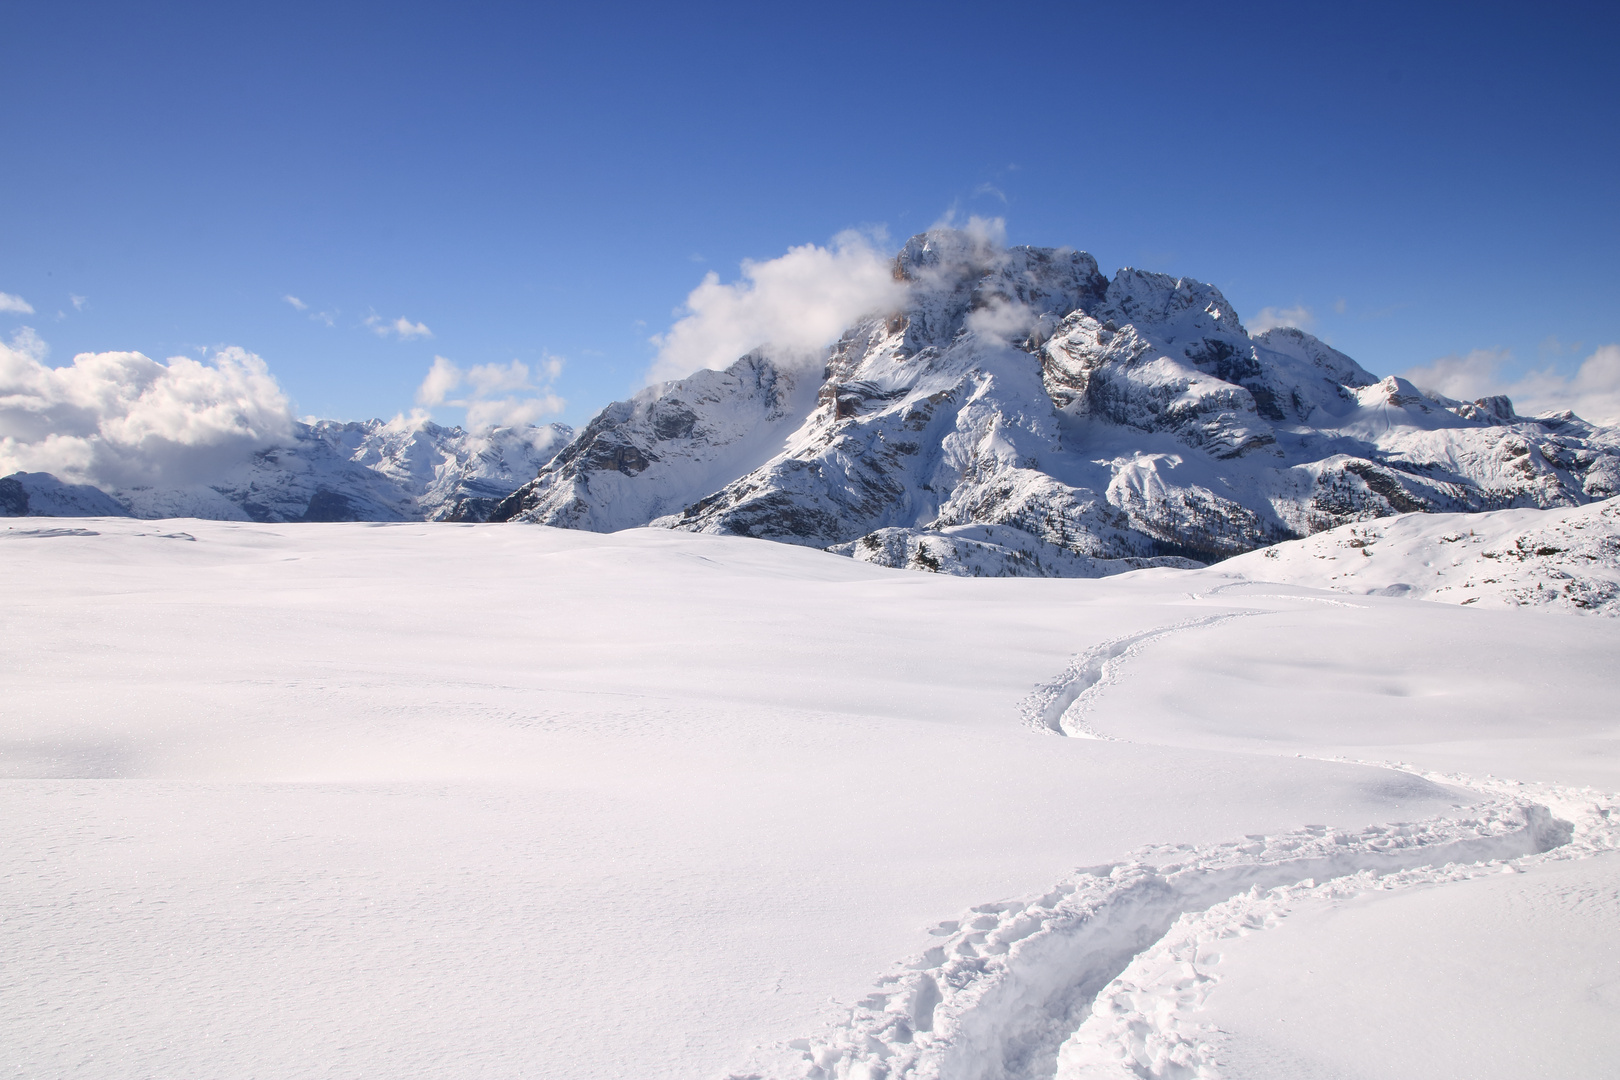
1023, 414
1015, 413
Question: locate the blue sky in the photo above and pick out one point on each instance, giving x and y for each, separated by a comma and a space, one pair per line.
541, 182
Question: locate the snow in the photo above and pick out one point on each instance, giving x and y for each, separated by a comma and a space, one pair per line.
1019, 414
1375, 974
1462, 988
1566, 559
40, 494
427, 798
1000, 412
374, 470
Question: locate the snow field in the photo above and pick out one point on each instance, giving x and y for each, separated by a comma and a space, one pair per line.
1108, 963
512, 801
1152, 1019
1503, 975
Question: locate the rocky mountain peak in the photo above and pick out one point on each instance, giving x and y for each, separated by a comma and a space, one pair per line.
1023, 414
1017, 413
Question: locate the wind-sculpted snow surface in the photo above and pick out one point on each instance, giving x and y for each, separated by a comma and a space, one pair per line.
1024, 415
1567, 559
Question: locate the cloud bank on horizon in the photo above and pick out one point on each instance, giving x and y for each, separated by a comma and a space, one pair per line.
1592, 392
121, 419
1270, 318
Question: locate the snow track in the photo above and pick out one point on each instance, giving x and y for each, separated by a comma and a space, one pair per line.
1099, 976
1010, 982
1142, 1024
1060, 706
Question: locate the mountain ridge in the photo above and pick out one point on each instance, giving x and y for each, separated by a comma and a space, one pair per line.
370, 470
1020, 413
1024, 414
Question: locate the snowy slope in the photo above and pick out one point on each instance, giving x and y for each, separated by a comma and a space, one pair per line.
1566, 559
666, 448
368, 471
43, 495
1025, 415
1288, 993
350, 799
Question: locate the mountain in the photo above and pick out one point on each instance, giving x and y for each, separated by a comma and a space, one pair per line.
330, 471
1565, 559
42, 495
1023, 414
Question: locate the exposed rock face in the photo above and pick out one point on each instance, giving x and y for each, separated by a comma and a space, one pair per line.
1025, 415
367, 471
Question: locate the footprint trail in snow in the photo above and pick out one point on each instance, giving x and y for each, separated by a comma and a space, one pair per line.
1098, 978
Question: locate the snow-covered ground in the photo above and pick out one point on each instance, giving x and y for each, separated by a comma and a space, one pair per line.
456, 800
1568, 558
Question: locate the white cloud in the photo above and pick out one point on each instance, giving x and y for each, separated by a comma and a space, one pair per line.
443, 377
512, 411
499, 395
401, 327
487, 380
1299, 317
15, 304
295, 302
79, 302
1002, 320
119, 418
1462, 377
1592, 392
986, 236
794, 305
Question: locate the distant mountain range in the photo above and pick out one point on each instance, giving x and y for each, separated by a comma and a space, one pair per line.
329, 471
1022, 414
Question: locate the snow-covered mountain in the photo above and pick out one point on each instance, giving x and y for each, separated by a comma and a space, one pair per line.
1025, 415
330, 471
42, 495
1565, 560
